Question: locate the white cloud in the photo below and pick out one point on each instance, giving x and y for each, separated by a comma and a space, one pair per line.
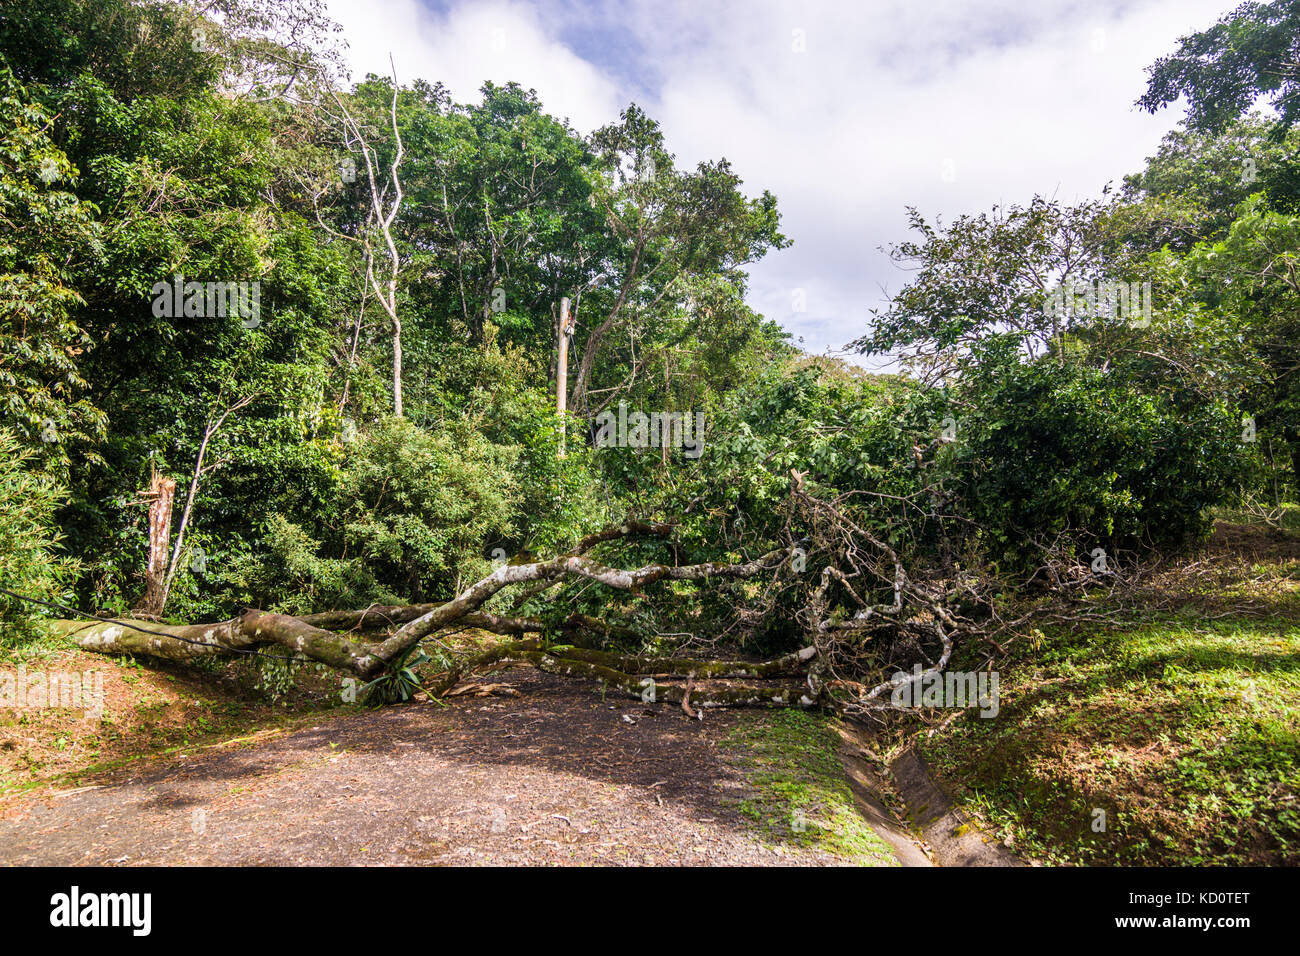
471, 44
886, 101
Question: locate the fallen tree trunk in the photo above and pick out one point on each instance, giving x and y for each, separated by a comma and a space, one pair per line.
638, 676
381, 617
575, 565
314, 636
249, 631
787, 665
729, 695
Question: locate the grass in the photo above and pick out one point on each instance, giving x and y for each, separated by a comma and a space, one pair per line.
43, 644
800, 794
1182, 729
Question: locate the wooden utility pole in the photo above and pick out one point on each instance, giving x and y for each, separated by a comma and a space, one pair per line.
562, 368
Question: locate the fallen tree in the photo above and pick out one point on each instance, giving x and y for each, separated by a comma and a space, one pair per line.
327, 638
839, 612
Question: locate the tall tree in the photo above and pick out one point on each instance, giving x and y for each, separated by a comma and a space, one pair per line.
1254, 51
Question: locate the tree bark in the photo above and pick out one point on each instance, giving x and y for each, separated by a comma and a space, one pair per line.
248, 631
162, 490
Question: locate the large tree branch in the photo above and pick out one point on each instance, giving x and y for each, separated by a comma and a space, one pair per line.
311, 638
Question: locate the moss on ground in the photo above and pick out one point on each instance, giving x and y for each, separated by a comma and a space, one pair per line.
800, 794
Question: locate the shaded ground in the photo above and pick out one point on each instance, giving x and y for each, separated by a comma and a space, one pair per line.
162, 708
556, 776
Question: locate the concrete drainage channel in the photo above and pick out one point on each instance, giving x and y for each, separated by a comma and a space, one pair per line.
931, 831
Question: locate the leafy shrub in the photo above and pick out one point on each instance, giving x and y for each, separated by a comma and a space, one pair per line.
399, 682
291, 574
1046, 448
29, 561
420, 505
494, 389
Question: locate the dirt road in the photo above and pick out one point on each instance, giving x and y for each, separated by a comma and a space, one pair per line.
555, 776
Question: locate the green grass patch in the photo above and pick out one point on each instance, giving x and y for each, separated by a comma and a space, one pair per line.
800, 794
1184, 733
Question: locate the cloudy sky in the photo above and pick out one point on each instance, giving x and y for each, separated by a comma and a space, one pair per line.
847, 111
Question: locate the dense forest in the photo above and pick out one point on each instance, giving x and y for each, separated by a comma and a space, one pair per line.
283, 351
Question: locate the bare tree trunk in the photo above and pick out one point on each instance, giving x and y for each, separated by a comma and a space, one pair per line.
383, 214
596, 340
562, 369
397, 366
161, 490
352, 353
